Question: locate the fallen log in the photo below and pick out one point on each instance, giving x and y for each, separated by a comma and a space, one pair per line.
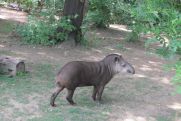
11, 66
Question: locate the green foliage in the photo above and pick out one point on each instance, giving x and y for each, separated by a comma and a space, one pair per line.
121, 47
42, 24
104, 12
132, 37
44, 31
21, 74
33, 5
155, 17
25, 4
120, 12
160, 17
177, 78
99, 12
56, 4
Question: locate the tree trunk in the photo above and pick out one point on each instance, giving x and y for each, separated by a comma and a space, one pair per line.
11, 66
75, 8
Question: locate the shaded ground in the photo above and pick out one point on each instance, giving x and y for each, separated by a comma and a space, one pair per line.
146, 96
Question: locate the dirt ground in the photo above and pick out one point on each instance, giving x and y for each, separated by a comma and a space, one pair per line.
147, 96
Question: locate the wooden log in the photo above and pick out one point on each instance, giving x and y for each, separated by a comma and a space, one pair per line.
11, 66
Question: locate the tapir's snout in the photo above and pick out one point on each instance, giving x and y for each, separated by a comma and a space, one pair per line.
130, 68
131, 71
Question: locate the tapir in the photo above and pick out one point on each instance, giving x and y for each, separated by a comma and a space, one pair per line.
82, 73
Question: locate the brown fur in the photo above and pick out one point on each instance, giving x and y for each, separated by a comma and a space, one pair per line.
97, 74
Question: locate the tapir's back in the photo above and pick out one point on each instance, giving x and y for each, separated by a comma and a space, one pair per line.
80, 73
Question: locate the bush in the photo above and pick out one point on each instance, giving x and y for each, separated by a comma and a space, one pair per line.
105, 12
33, 5
56, 4
27, 5
154, 17
160, 17
121, 12
99, 12
44, 31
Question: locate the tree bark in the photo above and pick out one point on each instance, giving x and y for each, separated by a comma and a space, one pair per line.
75, 8
11, 66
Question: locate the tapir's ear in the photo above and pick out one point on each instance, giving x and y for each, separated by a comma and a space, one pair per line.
116, 59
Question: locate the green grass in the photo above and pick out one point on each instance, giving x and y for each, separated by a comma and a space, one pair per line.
6, 26
27, 96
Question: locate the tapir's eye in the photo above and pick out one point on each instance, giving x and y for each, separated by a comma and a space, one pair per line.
116, 59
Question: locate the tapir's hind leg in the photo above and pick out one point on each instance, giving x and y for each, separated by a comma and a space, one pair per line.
70, 95
54, 95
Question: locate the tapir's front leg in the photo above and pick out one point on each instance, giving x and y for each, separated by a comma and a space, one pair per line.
94, 93
99, 93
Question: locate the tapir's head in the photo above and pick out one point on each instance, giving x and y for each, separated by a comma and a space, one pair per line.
117, 64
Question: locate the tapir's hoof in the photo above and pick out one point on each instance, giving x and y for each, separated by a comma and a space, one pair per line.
73, 104
53, 105
93, 98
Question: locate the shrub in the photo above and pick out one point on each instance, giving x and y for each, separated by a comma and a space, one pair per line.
99, 12
44, 31
27, 5
105, 12
32, 5
159, 17
56, 4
